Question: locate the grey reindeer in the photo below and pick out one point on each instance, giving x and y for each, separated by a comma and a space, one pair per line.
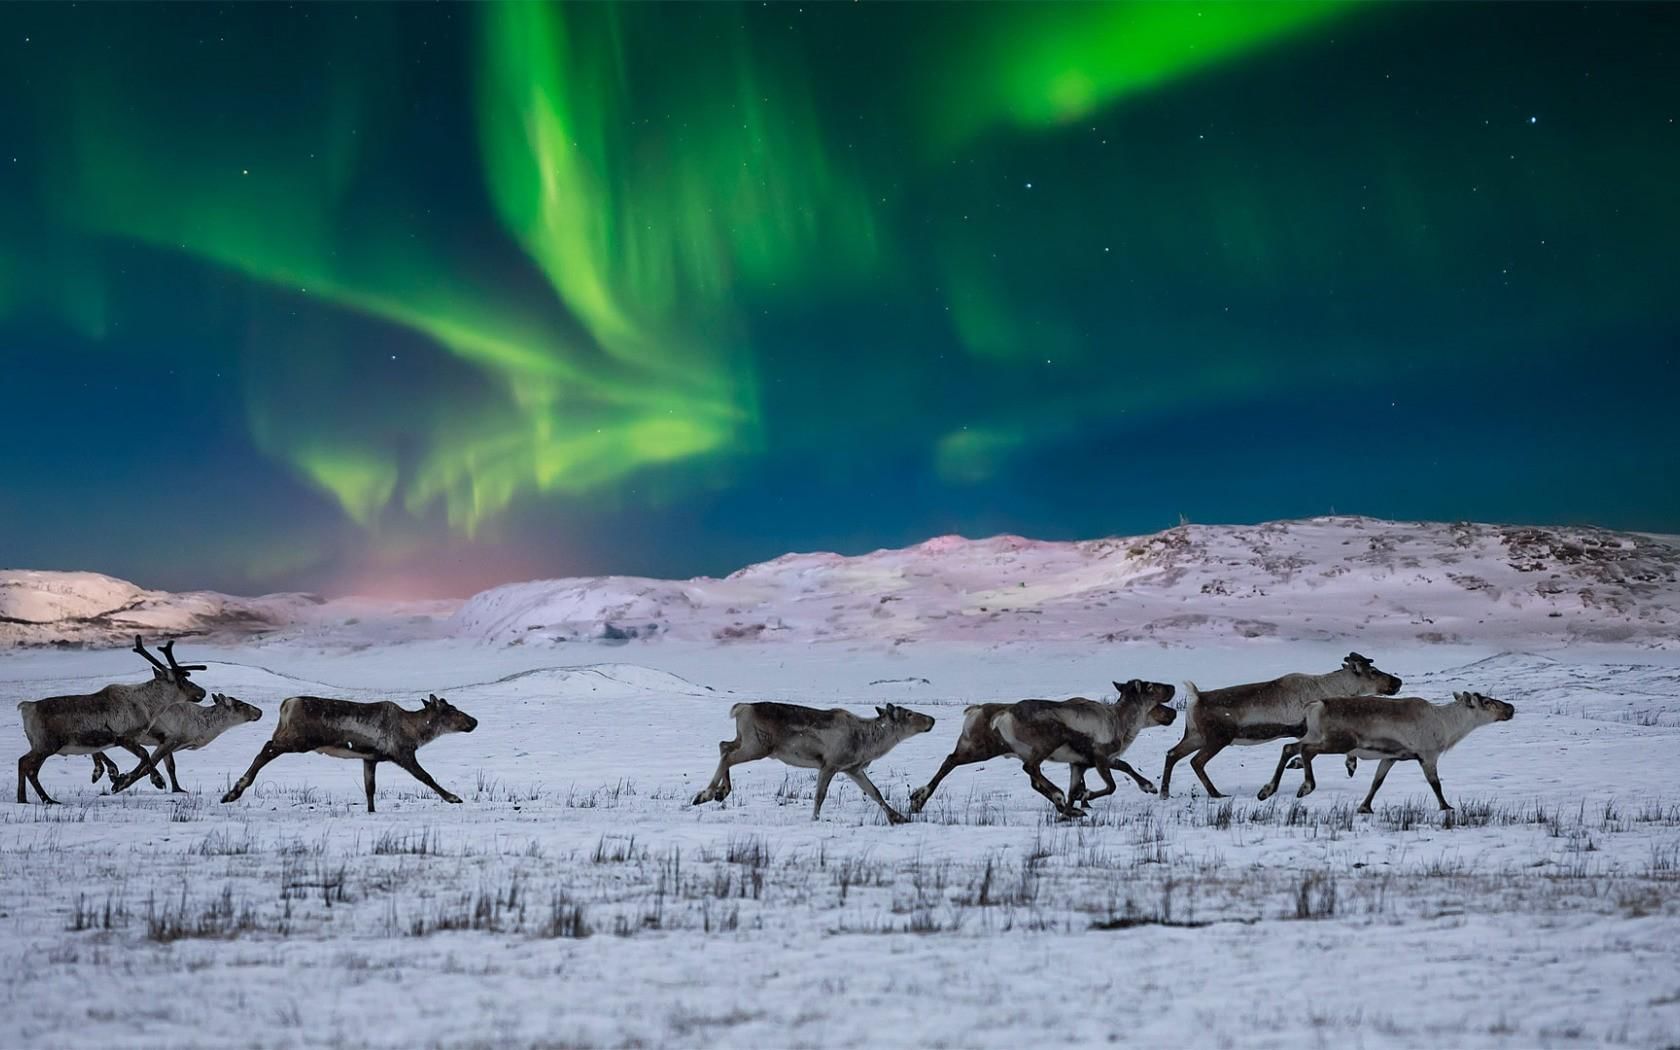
1082, 733
372, 732
188, 727
115, 716
979, 742
832, 741
1263, 711
1410, 729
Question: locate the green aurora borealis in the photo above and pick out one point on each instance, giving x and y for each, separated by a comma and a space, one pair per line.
420, 299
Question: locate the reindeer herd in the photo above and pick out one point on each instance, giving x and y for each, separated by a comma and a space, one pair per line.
1352, 711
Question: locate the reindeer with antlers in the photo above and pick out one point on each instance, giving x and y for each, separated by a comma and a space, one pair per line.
115, 716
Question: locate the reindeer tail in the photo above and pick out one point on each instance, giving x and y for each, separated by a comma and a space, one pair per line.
30, 714
1191, 696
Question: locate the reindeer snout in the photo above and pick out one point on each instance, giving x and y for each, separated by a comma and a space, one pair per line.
472, 724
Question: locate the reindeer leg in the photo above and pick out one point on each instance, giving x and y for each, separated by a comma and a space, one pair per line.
1308, 783
412, 764
1199, 764
123, 783
1184, 747
36, 761
920, 796
1144, 784
1428, 764
368, 766
169, 764
138, 752
867, 786
1291, 751
99, 766
734, 753
1041, 784
1107, 774
270, 751
1376, 782
824, 775
1076, 793
1351, 763
23, 773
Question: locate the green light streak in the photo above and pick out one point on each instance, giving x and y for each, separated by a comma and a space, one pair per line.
1043, 65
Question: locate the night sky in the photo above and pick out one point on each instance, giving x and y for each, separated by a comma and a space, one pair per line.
414, 299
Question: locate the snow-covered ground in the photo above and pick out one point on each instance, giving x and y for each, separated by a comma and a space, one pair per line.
1545, 913
576, 898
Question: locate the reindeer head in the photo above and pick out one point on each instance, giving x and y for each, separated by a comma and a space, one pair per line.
1153, 697
235, 706
175, 674
446, 717
1495, 710
1373, 681
911, 722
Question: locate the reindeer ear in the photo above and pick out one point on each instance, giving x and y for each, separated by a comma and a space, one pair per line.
880, 712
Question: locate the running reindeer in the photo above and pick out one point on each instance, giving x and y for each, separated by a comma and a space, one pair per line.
188, 727
1392, 731
1263, 711
979, 742
375, 733
115, 716
833, 741
1083, 733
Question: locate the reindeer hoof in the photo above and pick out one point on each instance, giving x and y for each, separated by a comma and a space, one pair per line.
231, 796
1306, 789
918, 799
453, 800
1147, 787
1266, 792
895, 817
1365, 809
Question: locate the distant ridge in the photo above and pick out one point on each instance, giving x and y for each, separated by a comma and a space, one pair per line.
1317, 578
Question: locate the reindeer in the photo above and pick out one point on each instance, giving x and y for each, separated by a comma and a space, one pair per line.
1393, 731
1261, 711
979, 742
115, 716
833, 741
188, 727
375, 733
1081, 733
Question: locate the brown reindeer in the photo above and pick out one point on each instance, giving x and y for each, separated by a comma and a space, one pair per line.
979, 742
375, 733
1264, 711
833, 741
188, 727
1082, 733
1408, 730
115, 716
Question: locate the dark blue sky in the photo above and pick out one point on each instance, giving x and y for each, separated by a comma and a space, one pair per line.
417, 300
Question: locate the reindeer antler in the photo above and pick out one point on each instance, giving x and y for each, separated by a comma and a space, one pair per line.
168, 650
140, 647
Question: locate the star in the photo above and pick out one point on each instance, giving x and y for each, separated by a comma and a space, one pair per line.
1534, 120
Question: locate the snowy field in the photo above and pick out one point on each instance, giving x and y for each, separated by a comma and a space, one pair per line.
577, 899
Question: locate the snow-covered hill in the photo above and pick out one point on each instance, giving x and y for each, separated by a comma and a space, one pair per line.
1317, 579
87, 608
1320, 578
